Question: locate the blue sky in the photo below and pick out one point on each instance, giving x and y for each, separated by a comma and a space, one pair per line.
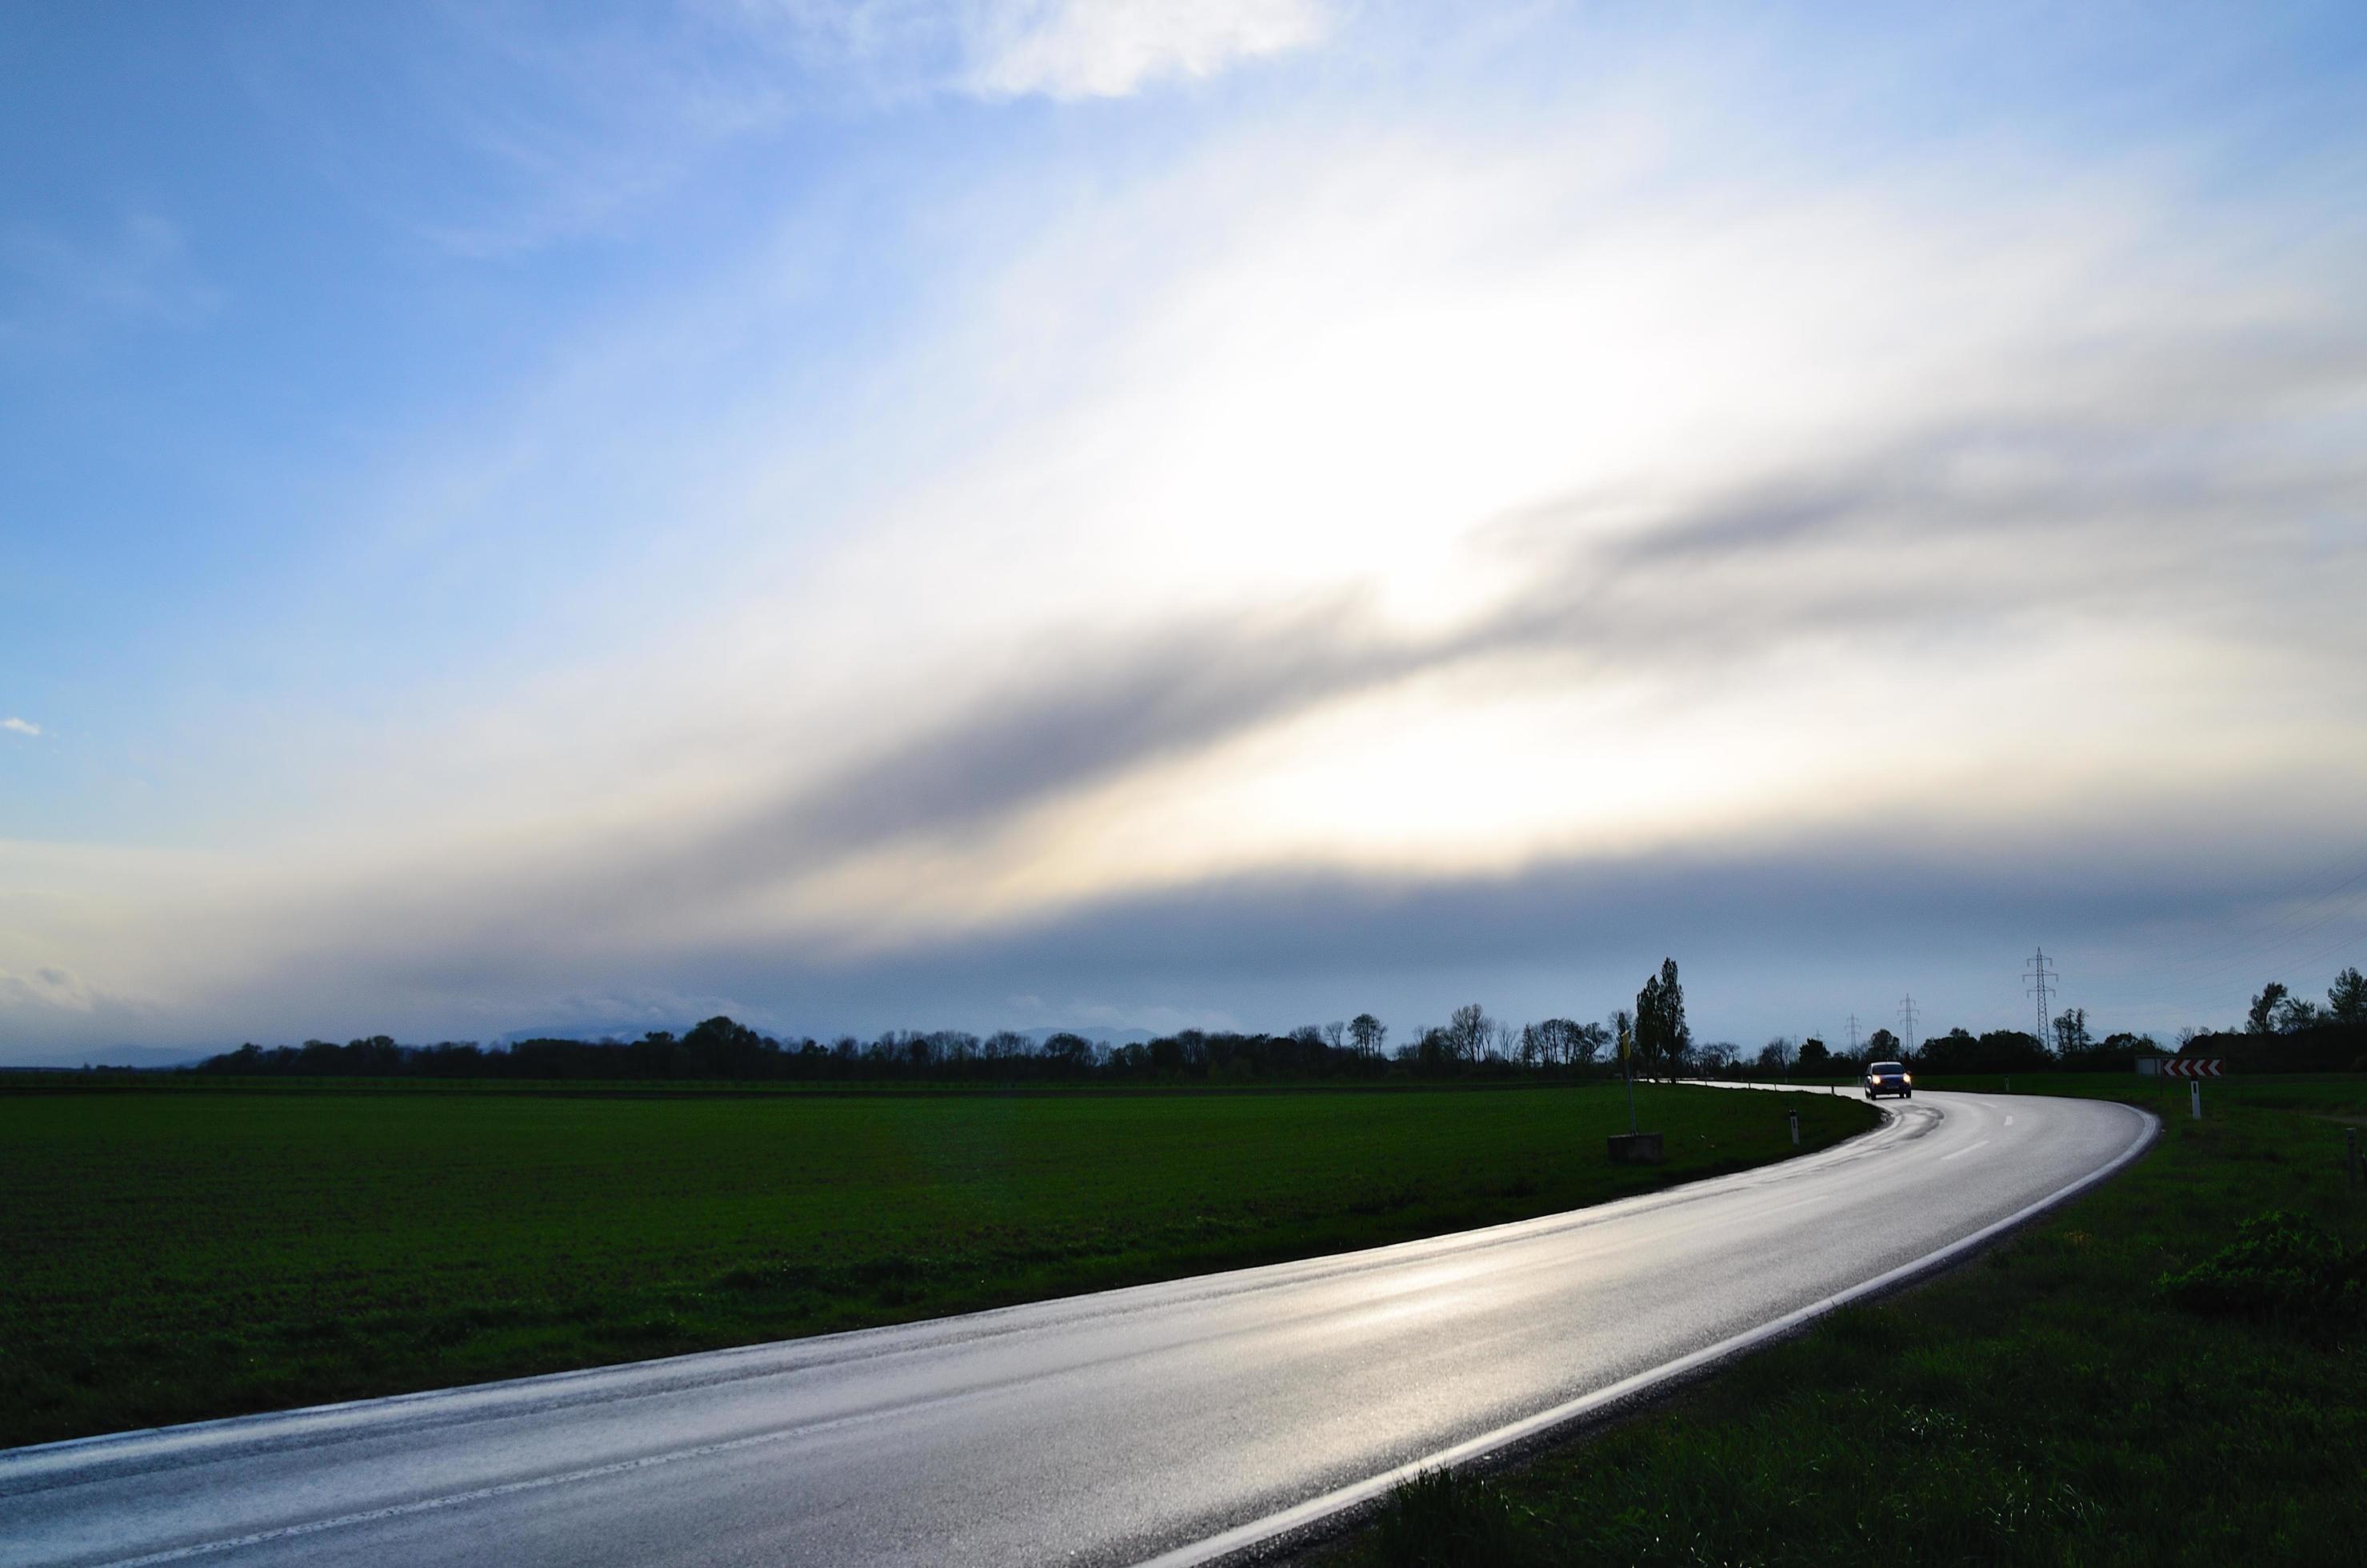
1128, 515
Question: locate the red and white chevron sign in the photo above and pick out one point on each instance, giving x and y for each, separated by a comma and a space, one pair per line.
2192, 1067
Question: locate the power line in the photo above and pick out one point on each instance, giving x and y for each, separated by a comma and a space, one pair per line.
2325, 909
2198, 989
2352, 870
2259, 946
2040, 983
1906, 1021
1853, 1034
2265, 955
2329, 951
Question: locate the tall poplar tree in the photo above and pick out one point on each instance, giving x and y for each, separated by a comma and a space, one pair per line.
1663, 1036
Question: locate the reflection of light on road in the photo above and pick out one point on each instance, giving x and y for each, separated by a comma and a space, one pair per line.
1426, 1294
1386, 1315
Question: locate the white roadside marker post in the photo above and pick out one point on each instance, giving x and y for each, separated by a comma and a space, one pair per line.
1795, 1129
2195, 1091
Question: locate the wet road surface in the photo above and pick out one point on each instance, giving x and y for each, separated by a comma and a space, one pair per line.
1167, 1422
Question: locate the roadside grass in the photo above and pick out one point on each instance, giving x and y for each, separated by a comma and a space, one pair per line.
174, 1255
2167, 1370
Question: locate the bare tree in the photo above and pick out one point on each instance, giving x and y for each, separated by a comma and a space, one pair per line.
1467, 1031
1550, 1040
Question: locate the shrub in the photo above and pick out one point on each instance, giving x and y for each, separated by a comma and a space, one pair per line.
2278, 1266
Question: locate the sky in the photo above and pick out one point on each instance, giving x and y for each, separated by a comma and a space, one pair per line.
1135, 515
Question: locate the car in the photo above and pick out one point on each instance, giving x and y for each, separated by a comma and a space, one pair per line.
1888, 1078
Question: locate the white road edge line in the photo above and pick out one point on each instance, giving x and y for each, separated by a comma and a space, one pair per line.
1242, 1536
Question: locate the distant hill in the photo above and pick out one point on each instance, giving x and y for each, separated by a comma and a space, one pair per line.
147, 1058
633, 1032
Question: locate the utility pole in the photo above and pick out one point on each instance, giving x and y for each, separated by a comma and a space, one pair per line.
2043, 982
1852, 1035
1907, 1022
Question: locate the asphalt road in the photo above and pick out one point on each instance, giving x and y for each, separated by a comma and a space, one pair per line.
1168, 1422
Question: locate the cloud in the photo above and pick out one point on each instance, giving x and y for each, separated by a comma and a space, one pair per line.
1788, 935
1391, 554
547, 128
1010, 48
57, 287
20, 726
1106, 49
1906, 556
49, 988
1790, 690
491, 134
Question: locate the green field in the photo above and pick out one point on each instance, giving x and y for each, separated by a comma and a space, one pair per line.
173, 1256
2058, 1401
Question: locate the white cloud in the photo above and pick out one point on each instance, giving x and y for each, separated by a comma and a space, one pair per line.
1009, 49
551, 131
20, 726
1106, 49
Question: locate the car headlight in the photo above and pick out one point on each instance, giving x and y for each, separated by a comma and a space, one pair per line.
1906, 1077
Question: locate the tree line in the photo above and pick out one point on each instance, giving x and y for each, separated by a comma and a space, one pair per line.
2285, 1033
1469, 1044
1651, 1039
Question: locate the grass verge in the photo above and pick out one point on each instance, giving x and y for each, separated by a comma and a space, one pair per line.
178, 1255
2166, 1369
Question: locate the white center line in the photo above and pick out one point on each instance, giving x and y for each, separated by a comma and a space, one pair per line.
1963, 1152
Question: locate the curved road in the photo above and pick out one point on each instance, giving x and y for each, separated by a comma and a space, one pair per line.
1169, 1422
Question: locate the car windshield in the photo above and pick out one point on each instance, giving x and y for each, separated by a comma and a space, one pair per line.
1885, 1068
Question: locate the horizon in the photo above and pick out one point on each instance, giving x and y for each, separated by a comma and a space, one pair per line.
1106, 1038
1140, 517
